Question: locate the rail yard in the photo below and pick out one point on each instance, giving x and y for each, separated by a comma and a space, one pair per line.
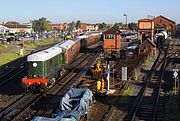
90, 72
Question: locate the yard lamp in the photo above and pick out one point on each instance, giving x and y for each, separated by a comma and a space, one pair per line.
126, 20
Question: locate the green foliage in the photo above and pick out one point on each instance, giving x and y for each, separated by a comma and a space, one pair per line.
102, 26
41, 25
128, 92
118, 25
71, 26
132, 26
78, 24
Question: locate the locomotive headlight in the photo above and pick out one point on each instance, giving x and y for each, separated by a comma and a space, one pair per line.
34, 65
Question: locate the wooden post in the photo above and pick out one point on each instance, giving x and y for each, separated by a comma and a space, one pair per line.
140, 37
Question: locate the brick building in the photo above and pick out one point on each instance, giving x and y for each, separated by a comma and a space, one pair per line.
89, 27
163, 23
59, 27
112, 40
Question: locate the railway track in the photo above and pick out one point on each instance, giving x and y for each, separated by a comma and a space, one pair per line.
21, 101
13, 73
70, 81
149, 104
27, 100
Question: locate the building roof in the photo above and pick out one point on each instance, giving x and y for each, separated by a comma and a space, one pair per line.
165, 18
44, 54
3, 27
112, 31
152, 43
16, 26
143, 45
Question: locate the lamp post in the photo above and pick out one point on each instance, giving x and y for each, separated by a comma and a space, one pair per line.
126, 21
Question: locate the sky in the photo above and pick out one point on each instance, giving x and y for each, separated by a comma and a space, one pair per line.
87, 11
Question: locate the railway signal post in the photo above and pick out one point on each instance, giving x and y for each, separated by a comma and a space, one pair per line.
175, 74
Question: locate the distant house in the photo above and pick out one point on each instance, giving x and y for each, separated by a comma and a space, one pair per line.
112, 40
15, 27
109, 25
89, 27
3, 29
59, 27
163, 23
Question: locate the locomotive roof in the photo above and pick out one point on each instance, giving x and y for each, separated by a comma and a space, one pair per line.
66, 45
44, 54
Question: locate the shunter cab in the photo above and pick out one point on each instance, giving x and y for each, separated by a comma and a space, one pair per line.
43, 68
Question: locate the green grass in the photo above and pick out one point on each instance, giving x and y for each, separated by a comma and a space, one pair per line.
2, 47
128, 92
148, 60
12, 55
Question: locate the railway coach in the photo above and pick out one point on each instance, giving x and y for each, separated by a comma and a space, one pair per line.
83, 40
93, 37
70, 49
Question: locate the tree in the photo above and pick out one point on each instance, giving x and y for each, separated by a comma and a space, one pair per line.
36, 25
71, 26
118, 25
102, 26
41, 25
78, 24
132, 26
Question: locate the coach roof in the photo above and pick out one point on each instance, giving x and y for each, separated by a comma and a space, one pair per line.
66, 45
82, 37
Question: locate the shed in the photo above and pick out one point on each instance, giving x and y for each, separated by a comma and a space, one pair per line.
148, 46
